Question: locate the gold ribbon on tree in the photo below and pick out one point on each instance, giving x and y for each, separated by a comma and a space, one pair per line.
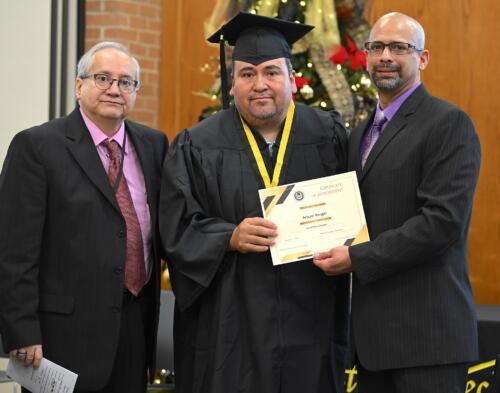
217, 17
321, 14
269, 8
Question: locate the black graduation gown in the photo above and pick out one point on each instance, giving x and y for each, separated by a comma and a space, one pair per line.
241, 324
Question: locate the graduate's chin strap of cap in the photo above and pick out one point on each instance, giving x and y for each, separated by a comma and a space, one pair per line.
223, 73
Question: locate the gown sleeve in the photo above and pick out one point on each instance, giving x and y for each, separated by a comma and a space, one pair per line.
340, 140
195, 243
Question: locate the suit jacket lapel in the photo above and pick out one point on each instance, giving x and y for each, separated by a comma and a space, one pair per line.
145, 153
82, 148
397, 123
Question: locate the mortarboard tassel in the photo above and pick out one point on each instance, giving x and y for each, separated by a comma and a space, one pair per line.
223, 73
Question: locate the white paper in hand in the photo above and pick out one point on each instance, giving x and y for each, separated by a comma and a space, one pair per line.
48, 378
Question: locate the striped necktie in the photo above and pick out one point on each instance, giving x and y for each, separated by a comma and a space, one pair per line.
372, 136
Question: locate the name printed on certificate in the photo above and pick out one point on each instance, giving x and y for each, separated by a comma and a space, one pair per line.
314, 216
48, 378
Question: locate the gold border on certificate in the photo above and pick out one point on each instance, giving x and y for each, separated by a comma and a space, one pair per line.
314, 216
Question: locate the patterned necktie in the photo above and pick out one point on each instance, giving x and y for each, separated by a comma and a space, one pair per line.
372, 136
135, 270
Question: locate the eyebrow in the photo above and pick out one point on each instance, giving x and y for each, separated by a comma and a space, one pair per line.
272, 67
253, 69
248, 68
110, 74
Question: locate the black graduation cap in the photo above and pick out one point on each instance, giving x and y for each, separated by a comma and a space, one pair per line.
256, 39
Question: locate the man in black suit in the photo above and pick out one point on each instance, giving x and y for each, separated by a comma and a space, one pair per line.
417, 160
79, 256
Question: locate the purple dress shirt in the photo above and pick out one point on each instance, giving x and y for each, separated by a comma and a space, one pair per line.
390, 111
132, 171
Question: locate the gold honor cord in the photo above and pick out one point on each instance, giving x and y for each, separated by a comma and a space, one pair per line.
281, 152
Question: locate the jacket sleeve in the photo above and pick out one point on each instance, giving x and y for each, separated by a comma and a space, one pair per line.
23, 193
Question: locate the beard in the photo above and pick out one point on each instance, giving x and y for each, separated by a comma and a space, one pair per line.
384, 83
262, 114
262, 110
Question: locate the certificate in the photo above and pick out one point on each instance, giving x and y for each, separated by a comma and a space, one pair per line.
314, 216
48, 378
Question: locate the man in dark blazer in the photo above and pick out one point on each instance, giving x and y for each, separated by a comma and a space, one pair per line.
417, 160
73, 287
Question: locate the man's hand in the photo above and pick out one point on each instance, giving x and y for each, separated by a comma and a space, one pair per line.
334, 262
253, 234
30, 356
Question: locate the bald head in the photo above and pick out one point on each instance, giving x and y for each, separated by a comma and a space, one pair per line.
396, 21
395, 70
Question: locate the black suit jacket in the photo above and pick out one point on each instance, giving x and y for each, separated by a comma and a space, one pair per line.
62, 246
412, 300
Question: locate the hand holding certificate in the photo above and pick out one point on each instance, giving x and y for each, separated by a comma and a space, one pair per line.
49, 377
314, 216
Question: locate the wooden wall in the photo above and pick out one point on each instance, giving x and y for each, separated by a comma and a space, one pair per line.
463, 38
184, 53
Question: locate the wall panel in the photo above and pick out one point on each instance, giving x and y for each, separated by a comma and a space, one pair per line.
184, 52
25, 66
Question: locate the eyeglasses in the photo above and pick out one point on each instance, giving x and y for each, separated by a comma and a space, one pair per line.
104, 82
396, 48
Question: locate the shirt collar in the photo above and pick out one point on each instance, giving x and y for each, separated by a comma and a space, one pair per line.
98, 136
393, 107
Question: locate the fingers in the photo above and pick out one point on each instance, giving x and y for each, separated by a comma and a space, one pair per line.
322, 255
29, 356
38, 356
248, 247
335, 261
244, 240
254, 234
259, 226
324, 264
259, 221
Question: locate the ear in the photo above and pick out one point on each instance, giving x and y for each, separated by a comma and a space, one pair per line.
231, 92
292, 81
424, 58
78, 88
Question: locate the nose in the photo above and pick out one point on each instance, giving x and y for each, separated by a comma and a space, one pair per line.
113, 89
260, 83
386, 54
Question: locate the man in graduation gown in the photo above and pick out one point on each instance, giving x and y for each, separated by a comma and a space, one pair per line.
242, 324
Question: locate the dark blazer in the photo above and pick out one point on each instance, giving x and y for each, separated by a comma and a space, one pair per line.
412, 301
63, 245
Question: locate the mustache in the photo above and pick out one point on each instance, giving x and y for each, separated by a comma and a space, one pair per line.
387, 67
